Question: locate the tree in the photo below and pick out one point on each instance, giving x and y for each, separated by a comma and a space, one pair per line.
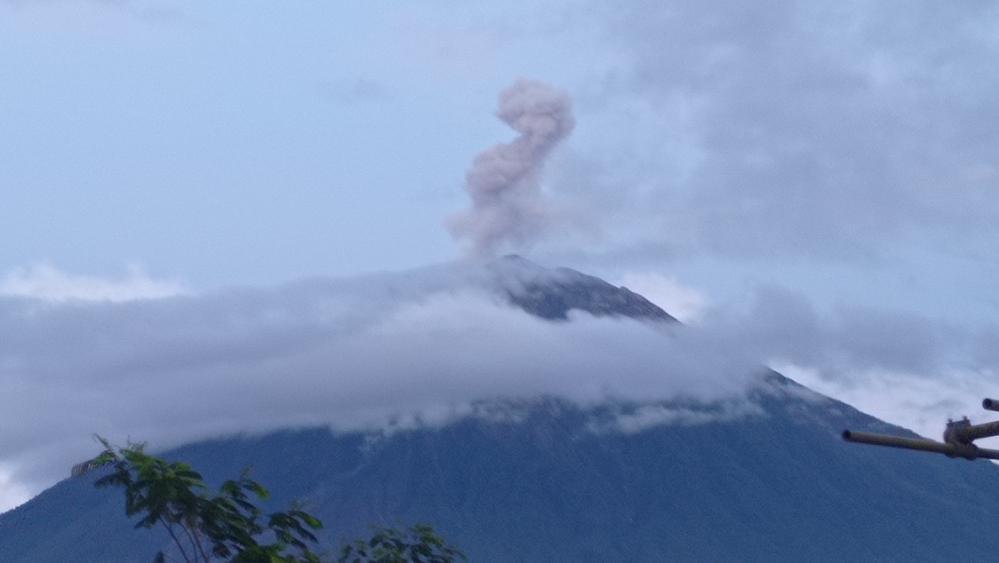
207, 526
204, 525
419, 544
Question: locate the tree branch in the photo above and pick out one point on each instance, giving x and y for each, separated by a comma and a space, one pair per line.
176, 541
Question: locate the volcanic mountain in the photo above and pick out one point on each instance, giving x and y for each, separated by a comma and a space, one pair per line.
552, 294
764, 477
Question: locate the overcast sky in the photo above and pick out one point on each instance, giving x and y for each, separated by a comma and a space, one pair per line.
824, 171
843, 148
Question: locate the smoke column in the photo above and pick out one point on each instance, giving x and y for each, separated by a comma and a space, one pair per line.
508, 208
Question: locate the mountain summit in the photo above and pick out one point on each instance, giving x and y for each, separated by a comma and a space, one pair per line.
552, 294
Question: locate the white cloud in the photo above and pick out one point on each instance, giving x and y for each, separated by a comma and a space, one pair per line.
417, 347
47, 283
921, 404
685, 303
364, 353
643, 417
12, 493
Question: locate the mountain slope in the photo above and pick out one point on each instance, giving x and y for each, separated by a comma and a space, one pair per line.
552, 294
548, 481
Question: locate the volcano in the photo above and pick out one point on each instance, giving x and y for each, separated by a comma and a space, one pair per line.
765, 477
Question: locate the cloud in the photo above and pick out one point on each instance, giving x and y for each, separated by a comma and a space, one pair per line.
798, 128
782, 324
637, 419
47, 283
11, 492
905, 368
390, 351
373, 352
508, 208
685, 303
922, 404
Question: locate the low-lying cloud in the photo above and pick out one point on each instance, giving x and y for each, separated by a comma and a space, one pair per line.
421, 348
355, 354
906, 368
48, 283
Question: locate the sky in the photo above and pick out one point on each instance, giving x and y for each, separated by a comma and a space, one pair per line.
812, 183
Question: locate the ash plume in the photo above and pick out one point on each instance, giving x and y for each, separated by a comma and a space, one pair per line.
508, 208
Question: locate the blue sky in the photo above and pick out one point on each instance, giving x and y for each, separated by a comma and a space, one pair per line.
242, 145
836, 162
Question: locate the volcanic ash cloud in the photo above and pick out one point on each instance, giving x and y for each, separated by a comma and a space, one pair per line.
508, 207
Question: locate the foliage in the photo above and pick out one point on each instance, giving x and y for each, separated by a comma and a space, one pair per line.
204, 525
418, 544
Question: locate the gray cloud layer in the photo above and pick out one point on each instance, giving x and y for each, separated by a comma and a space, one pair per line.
794, 127
417, 347
361, 353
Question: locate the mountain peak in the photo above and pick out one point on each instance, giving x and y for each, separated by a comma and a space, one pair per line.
552, 293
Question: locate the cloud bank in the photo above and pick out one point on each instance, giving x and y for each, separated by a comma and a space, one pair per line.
48, 283
906, 368
390, 351
794, 128
374, 352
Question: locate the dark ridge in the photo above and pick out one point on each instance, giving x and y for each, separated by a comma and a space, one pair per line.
551, 294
